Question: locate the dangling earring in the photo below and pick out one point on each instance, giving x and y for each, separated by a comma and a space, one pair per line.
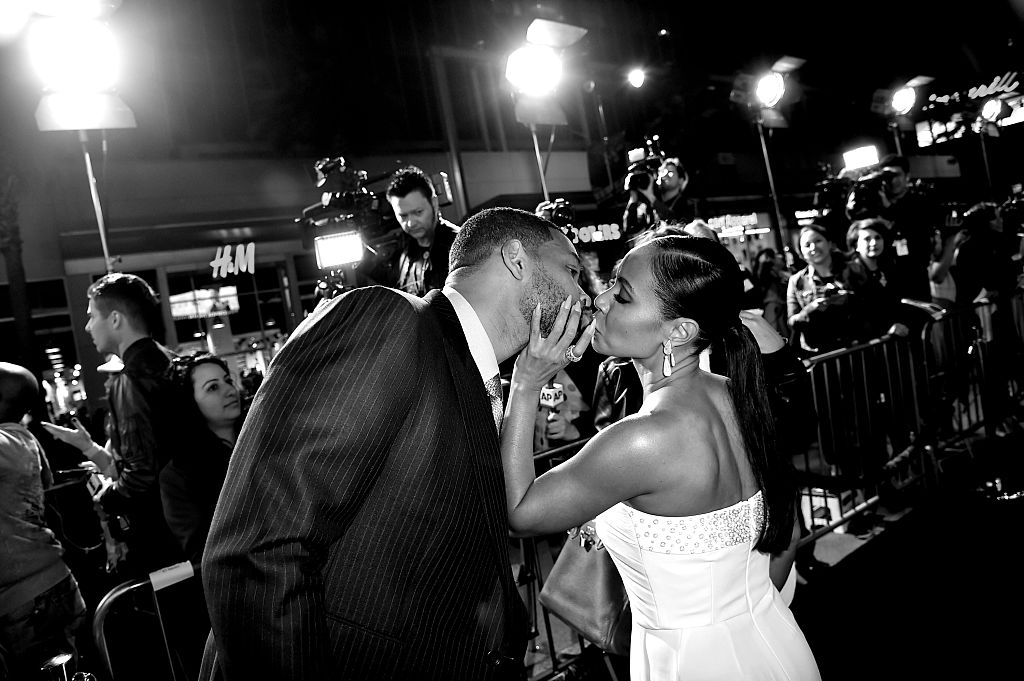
670, 359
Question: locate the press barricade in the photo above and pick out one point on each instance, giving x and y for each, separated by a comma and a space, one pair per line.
166, 659
973, 367
866, 402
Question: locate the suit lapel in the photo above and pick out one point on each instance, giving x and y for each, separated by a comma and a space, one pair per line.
474, 408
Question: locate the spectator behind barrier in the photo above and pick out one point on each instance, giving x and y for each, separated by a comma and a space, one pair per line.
816, 296
875, 307
123, 312
211, 413
914, 214
40, 604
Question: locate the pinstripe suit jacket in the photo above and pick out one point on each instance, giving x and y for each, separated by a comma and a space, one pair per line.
361, 532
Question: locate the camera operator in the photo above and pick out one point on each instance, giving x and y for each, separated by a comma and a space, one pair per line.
914, 215
670, 203
639, 215
427, 238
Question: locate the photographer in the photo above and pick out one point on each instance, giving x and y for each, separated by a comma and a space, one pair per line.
670, 204
816, 298
644, 166
423, 256
914, 216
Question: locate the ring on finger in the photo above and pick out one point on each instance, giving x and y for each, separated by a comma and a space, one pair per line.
571, 356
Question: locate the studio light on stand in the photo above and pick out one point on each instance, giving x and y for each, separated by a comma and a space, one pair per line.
768, 93
76, 55
896, 104
534, 72
992, 111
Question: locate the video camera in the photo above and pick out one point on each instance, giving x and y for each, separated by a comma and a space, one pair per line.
644, 163
559, 211
865, 195
346, 205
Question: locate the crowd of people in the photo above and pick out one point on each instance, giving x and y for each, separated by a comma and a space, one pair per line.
353, 519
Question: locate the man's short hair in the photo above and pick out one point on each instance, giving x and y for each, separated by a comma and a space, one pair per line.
674, 161
489, 229
131, 296
895, 161
18, 390
407, 180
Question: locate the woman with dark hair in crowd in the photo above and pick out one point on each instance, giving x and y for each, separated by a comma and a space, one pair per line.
691, 495
875, 303
816, 297
211, 419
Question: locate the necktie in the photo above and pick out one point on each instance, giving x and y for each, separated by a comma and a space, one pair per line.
493, 385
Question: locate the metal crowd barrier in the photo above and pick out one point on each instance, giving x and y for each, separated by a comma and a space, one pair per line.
153, 584
888, 413
973, 361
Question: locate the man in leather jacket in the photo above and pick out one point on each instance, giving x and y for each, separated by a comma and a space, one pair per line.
123, 311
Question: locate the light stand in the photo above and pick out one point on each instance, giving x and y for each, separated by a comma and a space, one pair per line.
83, 112
894, 126
540, 162
777, 214
534, 111
97, 207
603, 130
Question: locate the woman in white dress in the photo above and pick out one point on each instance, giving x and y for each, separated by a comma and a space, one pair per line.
690, 497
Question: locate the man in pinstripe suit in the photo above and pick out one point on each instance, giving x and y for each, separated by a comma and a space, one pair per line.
361, 532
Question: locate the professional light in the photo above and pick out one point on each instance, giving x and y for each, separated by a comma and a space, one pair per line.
903, 100
74, 55
861, 157
82, 9
335, 250
14, 15
991, 109
534, 70
636, 78
770, 89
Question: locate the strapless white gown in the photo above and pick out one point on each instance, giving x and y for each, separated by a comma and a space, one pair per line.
703, 604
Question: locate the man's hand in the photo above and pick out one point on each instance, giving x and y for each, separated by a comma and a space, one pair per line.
77, 437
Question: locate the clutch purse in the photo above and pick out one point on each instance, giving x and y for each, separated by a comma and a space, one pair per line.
585, 591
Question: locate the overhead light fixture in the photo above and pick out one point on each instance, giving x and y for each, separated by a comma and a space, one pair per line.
903, 100
787, 64
82, 9
534, 70
992, 109
556, 34
74, 55
636, 77
770, 89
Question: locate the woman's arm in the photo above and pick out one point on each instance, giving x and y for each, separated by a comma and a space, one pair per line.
938, 269
586, 484
797, 311
781, 563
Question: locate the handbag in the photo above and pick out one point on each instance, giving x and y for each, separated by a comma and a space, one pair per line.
585, 591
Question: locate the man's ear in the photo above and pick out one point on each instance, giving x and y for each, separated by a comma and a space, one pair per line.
515, 258
116, 319
684, 331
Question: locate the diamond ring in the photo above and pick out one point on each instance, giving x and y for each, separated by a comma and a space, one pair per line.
571, 356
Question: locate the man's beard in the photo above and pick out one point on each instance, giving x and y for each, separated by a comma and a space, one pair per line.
545, 290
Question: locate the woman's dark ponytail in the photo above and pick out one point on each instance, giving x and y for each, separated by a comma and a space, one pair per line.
699, 279
737, 357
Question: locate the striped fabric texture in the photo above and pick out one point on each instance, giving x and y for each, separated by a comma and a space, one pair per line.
361, 532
